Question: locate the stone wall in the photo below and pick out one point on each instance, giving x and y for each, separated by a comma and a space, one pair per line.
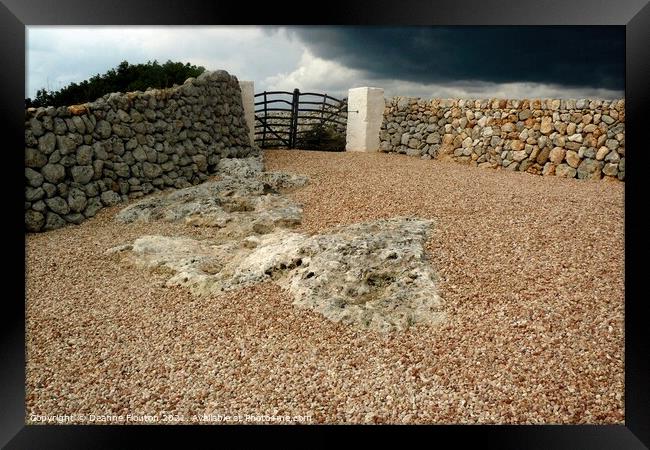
81, 158
567, 138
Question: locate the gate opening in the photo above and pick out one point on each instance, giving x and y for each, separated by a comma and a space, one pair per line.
300, 120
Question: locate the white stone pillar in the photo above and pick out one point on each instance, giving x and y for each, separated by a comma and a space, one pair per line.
362, 133
248, 101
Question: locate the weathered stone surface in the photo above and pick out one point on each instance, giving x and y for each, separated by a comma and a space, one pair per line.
371, 275
201, 162
151, 170
50, 189
53, 221
77, 109
77, 200
549, 169
34, 178
543, 155
412, 151
84, 155
82, 174
611, 169
566, 171
547, 125
602, 152
36, 127
75, 218
517, 145
519, 155
572, 159
607, 119
65, 145
62, 189
39, 206
122, 170
621, 169
139, 154
58, 205
47, 143
34, 220
59, 126
94, 204
240, 167
577, 137
103, 129
524, 165
54, 173
34, 158
110, 198
238, 205
121, 130
33, 194
79, 124
480, 132
590, 169
557, 155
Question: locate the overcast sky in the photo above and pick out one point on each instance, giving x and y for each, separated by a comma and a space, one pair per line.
443, 62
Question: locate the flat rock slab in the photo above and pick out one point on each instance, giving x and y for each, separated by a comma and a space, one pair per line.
243, 201
370, 275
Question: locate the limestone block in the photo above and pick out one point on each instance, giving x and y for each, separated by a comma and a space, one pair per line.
363, 126
248, 101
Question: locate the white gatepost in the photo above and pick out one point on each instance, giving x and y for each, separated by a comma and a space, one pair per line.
248, 102
362, 133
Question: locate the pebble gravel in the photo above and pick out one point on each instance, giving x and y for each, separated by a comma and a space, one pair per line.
531, 272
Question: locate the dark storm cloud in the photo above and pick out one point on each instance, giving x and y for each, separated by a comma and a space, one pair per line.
567, 56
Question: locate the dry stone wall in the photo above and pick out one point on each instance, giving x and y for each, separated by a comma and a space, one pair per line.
568, 138
81, 158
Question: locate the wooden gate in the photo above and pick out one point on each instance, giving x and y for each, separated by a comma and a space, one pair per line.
304, 120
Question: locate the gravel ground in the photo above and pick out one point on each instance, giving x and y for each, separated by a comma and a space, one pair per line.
531, 275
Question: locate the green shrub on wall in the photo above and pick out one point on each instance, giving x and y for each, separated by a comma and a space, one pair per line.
124, 78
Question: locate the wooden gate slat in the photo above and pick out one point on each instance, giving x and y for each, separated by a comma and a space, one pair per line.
267, 117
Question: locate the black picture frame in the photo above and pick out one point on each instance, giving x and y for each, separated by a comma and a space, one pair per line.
634, 15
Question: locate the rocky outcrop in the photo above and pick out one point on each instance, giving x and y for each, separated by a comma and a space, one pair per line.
243, 201
371, 275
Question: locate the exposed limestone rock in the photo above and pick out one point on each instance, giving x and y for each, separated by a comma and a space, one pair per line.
282, 180
242, 202
371, 275
241, 167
